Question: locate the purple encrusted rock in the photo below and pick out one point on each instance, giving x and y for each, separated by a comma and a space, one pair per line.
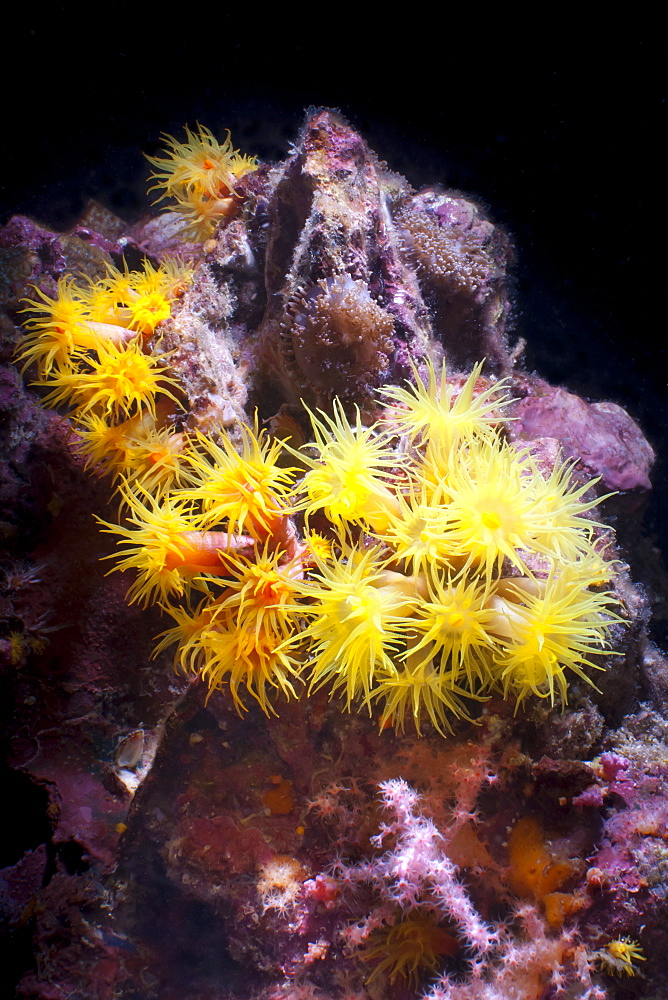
601, 435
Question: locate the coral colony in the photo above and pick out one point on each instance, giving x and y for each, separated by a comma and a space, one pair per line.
397, 616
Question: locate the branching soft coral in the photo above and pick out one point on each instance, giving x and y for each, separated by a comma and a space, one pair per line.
419, 914
527, 962
414, 879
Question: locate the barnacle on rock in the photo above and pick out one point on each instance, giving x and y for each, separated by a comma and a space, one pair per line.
461, 259
337, 338
456, 260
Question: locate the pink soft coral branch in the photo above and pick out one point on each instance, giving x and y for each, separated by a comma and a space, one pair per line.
418, 867
415, 872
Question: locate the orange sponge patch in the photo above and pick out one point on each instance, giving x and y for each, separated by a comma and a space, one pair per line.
535, 872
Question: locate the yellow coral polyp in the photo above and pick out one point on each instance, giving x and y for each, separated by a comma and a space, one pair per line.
447, 564
500, 507
419, 532
566, 532
318, 546
492, 513
233, 647
546, 633
136, 450
436, 411
187, 634
418, 689
247, 490
157, 457
200, 174
104, 443
619, 955
85, 319
147, 310
251, 659
201, 213
137, 300
59, 330
347, 479
165, 546
201, 164
216, 645
358, 621
258, 593
119, 381
454, 628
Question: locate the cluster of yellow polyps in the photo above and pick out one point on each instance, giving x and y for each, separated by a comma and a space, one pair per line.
199, 176
445, 564
94, 352
438, 562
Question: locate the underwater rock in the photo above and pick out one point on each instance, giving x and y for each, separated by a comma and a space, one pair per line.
600, 435
197, 851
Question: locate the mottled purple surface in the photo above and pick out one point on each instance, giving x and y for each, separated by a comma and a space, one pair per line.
601, 435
